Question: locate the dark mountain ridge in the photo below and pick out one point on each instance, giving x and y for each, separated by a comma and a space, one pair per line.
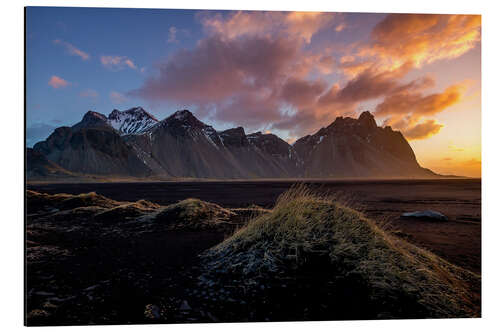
134, 143
351, 147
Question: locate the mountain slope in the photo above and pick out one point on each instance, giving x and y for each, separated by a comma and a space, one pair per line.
38, 166
183, 146
93, 147
358, 148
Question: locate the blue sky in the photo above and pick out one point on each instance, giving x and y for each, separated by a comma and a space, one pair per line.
140, 35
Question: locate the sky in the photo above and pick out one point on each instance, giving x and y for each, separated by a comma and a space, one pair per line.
289, 73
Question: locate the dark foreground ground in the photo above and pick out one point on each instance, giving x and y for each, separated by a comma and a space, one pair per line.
97, 275
458, 240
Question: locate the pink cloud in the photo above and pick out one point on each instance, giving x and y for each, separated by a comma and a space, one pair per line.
89, 93
217, 69
56, 82
117, 98
71, 49
116, 63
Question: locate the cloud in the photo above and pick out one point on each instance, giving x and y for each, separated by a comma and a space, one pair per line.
370, 84
455, 148
302, 93
117, 98
352, 67
267, 69
249, 67
89, 93
405, 107
56, 82
290, 24
71, 49
172, 35
422, 130
340, 27
473, 162
218, 69
424, 38
117, 63
406, 103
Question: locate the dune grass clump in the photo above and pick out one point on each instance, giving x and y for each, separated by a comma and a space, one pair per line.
62, 201
86, 200
336, 256
127, 211
192, 214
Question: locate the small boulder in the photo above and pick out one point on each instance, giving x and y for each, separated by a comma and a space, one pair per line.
428, 214
185, 306
152, 312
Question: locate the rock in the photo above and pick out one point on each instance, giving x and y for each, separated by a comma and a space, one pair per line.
212, 317
152, 311
44, 293
185, 306
38, 313
430, 214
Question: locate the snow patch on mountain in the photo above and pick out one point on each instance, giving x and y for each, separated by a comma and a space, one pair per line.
131, 121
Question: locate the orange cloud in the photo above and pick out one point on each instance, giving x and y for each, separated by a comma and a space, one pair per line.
71, 49
455, 148
423, 130
407, 102
291, 24
423, 38
352, 68
306, 24
408, 105
56, 82
473, 162
340, 27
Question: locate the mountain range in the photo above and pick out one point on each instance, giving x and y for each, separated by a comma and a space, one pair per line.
133, 143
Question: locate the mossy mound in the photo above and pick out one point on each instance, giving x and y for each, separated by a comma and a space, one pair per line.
70, 215
192, 214
127, 211
62, 201
312, 258
88, 199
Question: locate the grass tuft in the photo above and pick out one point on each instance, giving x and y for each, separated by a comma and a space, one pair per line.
315, 239
192, 214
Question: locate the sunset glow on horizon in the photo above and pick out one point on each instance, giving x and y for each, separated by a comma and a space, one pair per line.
288, 73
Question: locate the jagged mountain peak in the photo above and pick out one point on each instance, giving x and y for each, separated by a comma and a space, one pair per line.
137, 111
237, 131
132, 121
182, 121
182, 114
91, 119
234, 137
367, 119
92, 115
